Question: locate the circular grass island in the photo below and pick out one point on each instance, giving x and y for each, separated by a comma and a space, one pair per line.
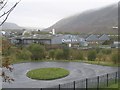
47, 73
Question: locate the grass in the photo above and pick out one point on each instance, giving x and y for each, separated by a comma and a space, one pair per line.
84, 61
102, 63
47, 73
113, 86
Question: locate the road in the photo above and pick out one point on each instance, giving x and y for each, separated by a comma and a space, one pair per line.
77, 70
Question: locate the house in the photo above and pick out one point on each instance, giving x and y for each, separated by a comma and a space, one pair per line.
65, 39
103, 38
5, 33
116, 44
70, 40
32, 39
92, 39
96, 39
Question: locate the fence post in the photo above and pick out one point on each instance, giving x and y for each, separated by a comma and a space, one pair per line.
41, 89
98, 83
116, 77
107, 81
59, 86
74, 84
86, 84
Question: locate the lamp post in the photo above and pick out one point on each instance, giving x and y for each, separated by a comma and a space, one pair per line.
116, 28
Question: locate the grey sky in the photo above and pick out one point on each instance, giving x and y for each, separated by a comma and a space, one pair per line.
44, 13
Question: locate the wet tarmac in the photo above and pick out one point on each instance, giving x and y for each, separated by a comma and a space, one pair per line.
77, 70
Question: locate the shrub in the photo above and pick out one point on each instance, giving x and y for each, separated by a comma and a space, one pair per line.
106, 51
24, 55
100, 56
91, 55
76, 54
115, 57
59, 54
52, 54
37, 50
98, 50
66, 53
80, 56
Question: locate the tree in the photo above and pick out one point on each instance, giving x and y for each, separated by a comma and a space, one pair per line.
66, 53
24, 55
100, 56
5, 13
52, 54
6, 59
37, 50
76, 54
59, 54
97, 50
115, 58
106, 51
92, 55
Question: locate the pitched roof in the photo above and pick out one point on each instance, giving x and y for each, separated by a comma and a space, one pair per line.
92, 38
104, 37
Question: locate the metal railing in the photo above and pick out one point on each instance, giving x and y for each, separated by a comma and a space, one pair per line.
102, 81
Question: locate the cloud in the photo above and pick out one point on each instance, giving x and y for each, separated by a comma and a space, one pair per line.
46, 12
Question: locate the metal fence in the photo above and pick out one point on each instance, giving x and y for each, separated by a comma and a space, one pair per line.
102, 81
94, 83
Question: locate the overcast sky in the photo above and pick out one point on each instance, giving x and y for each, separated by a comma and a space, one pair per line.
44, 13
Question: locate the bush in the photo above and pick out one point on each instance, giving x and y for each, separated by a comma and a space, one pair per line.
37, 50
24, 55
100, 56
66, 53
91, 55
98, 50
80, 56
52, 54
115, 57
59, 54
76, 54
106, 51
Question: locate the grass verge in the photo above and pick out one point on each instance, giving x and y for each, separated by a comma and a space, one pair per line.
84, 61
47, 73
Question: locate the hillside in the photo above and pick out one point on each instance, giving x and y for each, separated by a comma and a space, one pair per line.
94, 21
10, 26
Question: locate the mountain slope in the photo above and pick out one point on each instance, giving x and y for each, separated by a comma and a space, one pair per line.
93, 21
7, 26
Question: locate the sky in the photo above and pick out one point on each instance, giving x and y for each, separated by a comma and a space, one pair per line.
44, 13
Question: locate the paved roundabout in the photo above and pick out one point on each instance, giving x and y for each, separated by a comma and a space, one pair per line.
77, 70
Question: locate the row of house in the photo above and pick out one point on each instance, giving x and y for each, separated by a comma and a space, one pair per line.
60, 39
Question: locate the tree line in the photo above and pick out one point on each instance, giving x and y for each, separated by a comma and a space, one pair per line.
36, 52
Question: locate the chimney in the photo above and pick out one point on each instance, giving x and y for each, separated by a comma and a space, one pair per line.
53, 31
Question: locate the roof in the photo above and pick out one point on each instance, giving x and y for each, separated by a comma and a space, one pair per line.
92, 38
104, 37
66, 39
35, 37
